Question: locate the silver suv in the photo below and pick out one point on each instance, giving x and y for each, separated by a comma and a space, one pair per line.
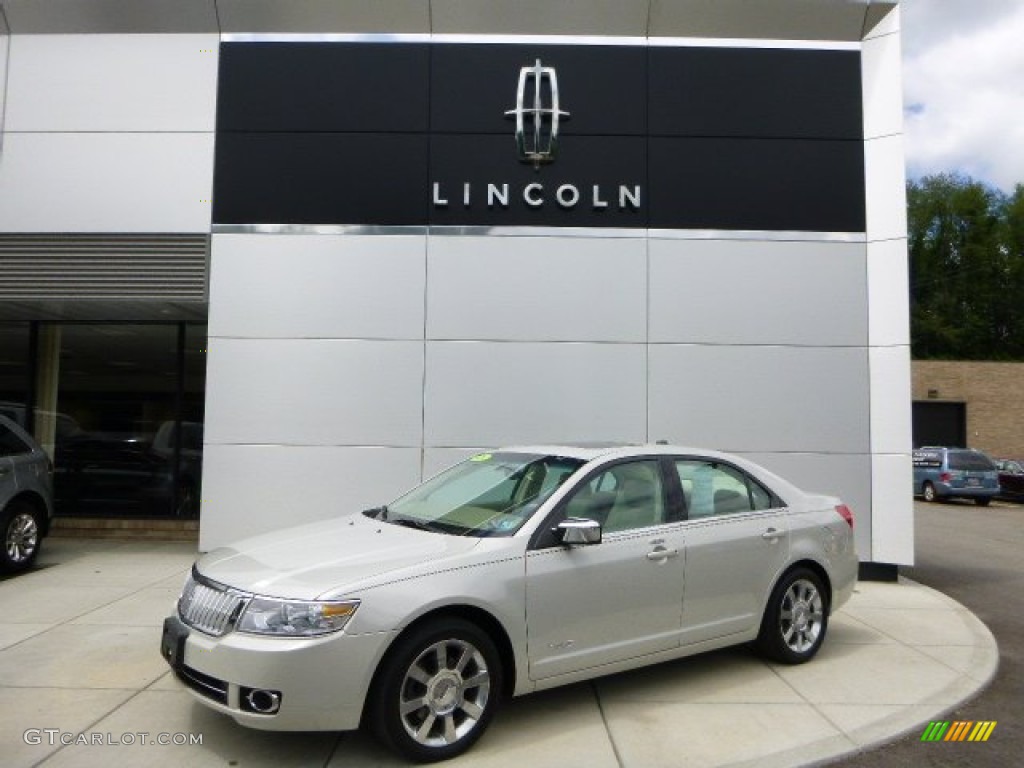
26, 496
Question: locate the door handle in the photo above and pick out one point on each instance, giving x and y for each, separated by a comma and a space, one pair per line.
661, 554
772, 534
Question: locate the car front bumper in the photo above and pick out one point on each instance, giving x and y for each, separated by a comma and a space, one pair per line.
322, 681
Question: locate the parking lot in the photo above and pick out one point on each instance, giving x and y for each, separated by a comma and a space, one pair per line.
974, 555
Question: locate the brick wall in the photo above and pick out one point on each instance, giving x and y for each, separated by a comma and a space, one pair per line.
993, 392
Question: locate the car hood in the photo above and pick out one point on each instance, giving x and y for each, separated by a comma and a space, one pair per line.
326, 558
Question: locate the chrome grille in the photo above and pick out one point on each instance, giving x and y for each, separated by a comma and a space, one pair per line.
210, 609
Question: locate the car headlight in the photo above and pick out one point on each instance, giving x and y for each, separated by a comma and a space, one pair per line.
295, 618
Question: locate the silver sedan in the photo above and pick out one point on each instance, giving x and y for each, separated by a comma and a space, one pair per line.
515, 571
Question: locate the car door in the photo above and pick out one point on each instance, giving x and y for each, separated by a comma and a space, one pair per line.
737, 540
597, 604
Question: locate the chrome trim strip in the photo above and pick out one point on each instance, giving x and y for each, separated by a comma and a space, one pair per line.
462, 39
580, 40
318, 229
325, 37
496, 231
752, 42
757, 234
525, 231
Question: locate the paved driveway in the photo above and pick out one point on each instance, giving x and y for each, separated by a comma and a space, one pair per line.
976, 556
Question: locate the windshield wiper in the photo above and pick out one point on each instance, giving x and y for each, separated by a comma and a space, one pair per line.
378, 513
420, 525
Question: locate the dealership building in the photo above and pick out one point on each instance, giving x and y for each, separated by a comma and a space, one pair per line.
266, 262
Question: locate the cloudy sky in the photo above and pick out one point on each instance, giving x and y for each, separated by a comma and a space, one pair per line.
963, 86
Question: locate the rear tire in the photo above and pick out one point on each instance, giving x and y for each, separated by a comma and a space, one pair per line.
22, 535
983, 501
795, 618
436, 690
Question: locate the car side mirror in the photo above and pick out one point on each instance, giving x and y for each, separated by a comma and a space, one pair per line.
577, 531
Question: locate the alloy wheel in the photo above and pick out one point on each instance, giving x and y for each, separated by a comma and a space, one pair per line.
22, 538
444, 693
801, 616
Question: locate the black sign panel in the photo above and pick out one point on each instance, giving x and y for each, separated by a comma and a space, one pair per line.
418, 134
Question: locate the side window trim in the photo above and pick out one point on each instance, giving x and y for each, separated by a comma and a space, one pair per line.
542, 538
749, 481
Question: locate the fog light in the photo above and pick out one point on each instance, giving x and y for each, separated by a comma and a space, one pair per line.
261, 701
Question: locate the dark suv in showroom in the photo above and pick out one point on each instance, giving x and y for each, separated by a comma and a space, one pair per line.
26, 496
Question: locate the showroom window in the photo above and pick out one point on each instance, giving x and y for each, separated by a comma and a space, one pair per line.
119, 408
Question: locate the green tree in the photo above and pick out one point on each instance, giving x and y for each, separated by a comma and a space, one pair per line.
966, 244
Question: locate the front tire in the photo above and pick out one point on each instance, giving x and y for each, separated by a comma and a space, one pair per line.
795, 619
437, 690
929, 493
22, 536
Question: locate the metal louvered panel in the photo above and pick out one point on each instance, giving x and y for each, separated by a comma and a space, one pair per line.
68, 267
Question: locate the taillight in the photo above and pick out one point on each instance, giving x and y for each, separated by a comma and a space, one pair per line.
946, 477
846, 514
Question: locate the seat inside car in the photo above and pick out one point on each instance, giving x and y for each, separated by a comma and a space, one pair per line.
638, 501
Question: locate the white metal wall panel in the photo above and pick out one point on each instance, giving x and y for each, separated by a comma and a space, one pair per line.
889, 294
106, 182
892, 529
251, 489
485, 393
537, 288
743, 399
885, 187
314, 392
883, 85
140, 83
310, 286
602, 17
892, 518
756, 292
890, 400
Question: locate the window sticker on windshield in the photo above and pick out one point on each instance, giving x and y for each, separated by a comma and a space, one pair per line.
483, 457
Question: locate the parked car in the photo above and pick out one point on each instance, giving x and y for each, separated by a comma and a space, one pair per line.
103, 473
26, 498
955, 473
1011, 479
511, 572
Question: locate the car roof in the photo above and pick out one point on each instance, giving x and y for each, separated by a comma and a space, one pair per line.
587, 451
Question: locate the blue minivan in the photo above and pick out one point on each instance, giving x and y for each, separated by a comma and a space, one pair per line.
955, 473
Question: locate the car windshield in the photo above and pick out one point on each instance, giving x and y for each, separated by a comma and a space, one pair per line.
491, 494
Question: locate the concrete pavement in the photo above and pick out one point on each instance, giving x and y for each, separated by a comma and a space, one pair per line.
79, 662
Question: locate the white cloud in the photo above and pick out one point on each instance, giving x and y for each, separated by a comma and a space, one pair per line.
964, 88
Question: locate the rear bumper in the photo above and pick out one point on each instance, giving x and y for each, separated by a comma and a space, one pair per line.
965, 492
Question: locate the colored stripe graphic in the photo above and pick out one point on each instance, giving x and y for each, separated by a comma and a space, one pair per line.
982, 731
959, 730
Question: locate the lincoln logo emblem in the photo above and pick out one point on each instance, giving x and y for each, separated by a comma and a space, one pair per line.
537, 142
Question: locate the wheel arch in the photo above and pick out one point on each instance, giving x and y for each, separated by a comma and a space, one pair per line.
474, 615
